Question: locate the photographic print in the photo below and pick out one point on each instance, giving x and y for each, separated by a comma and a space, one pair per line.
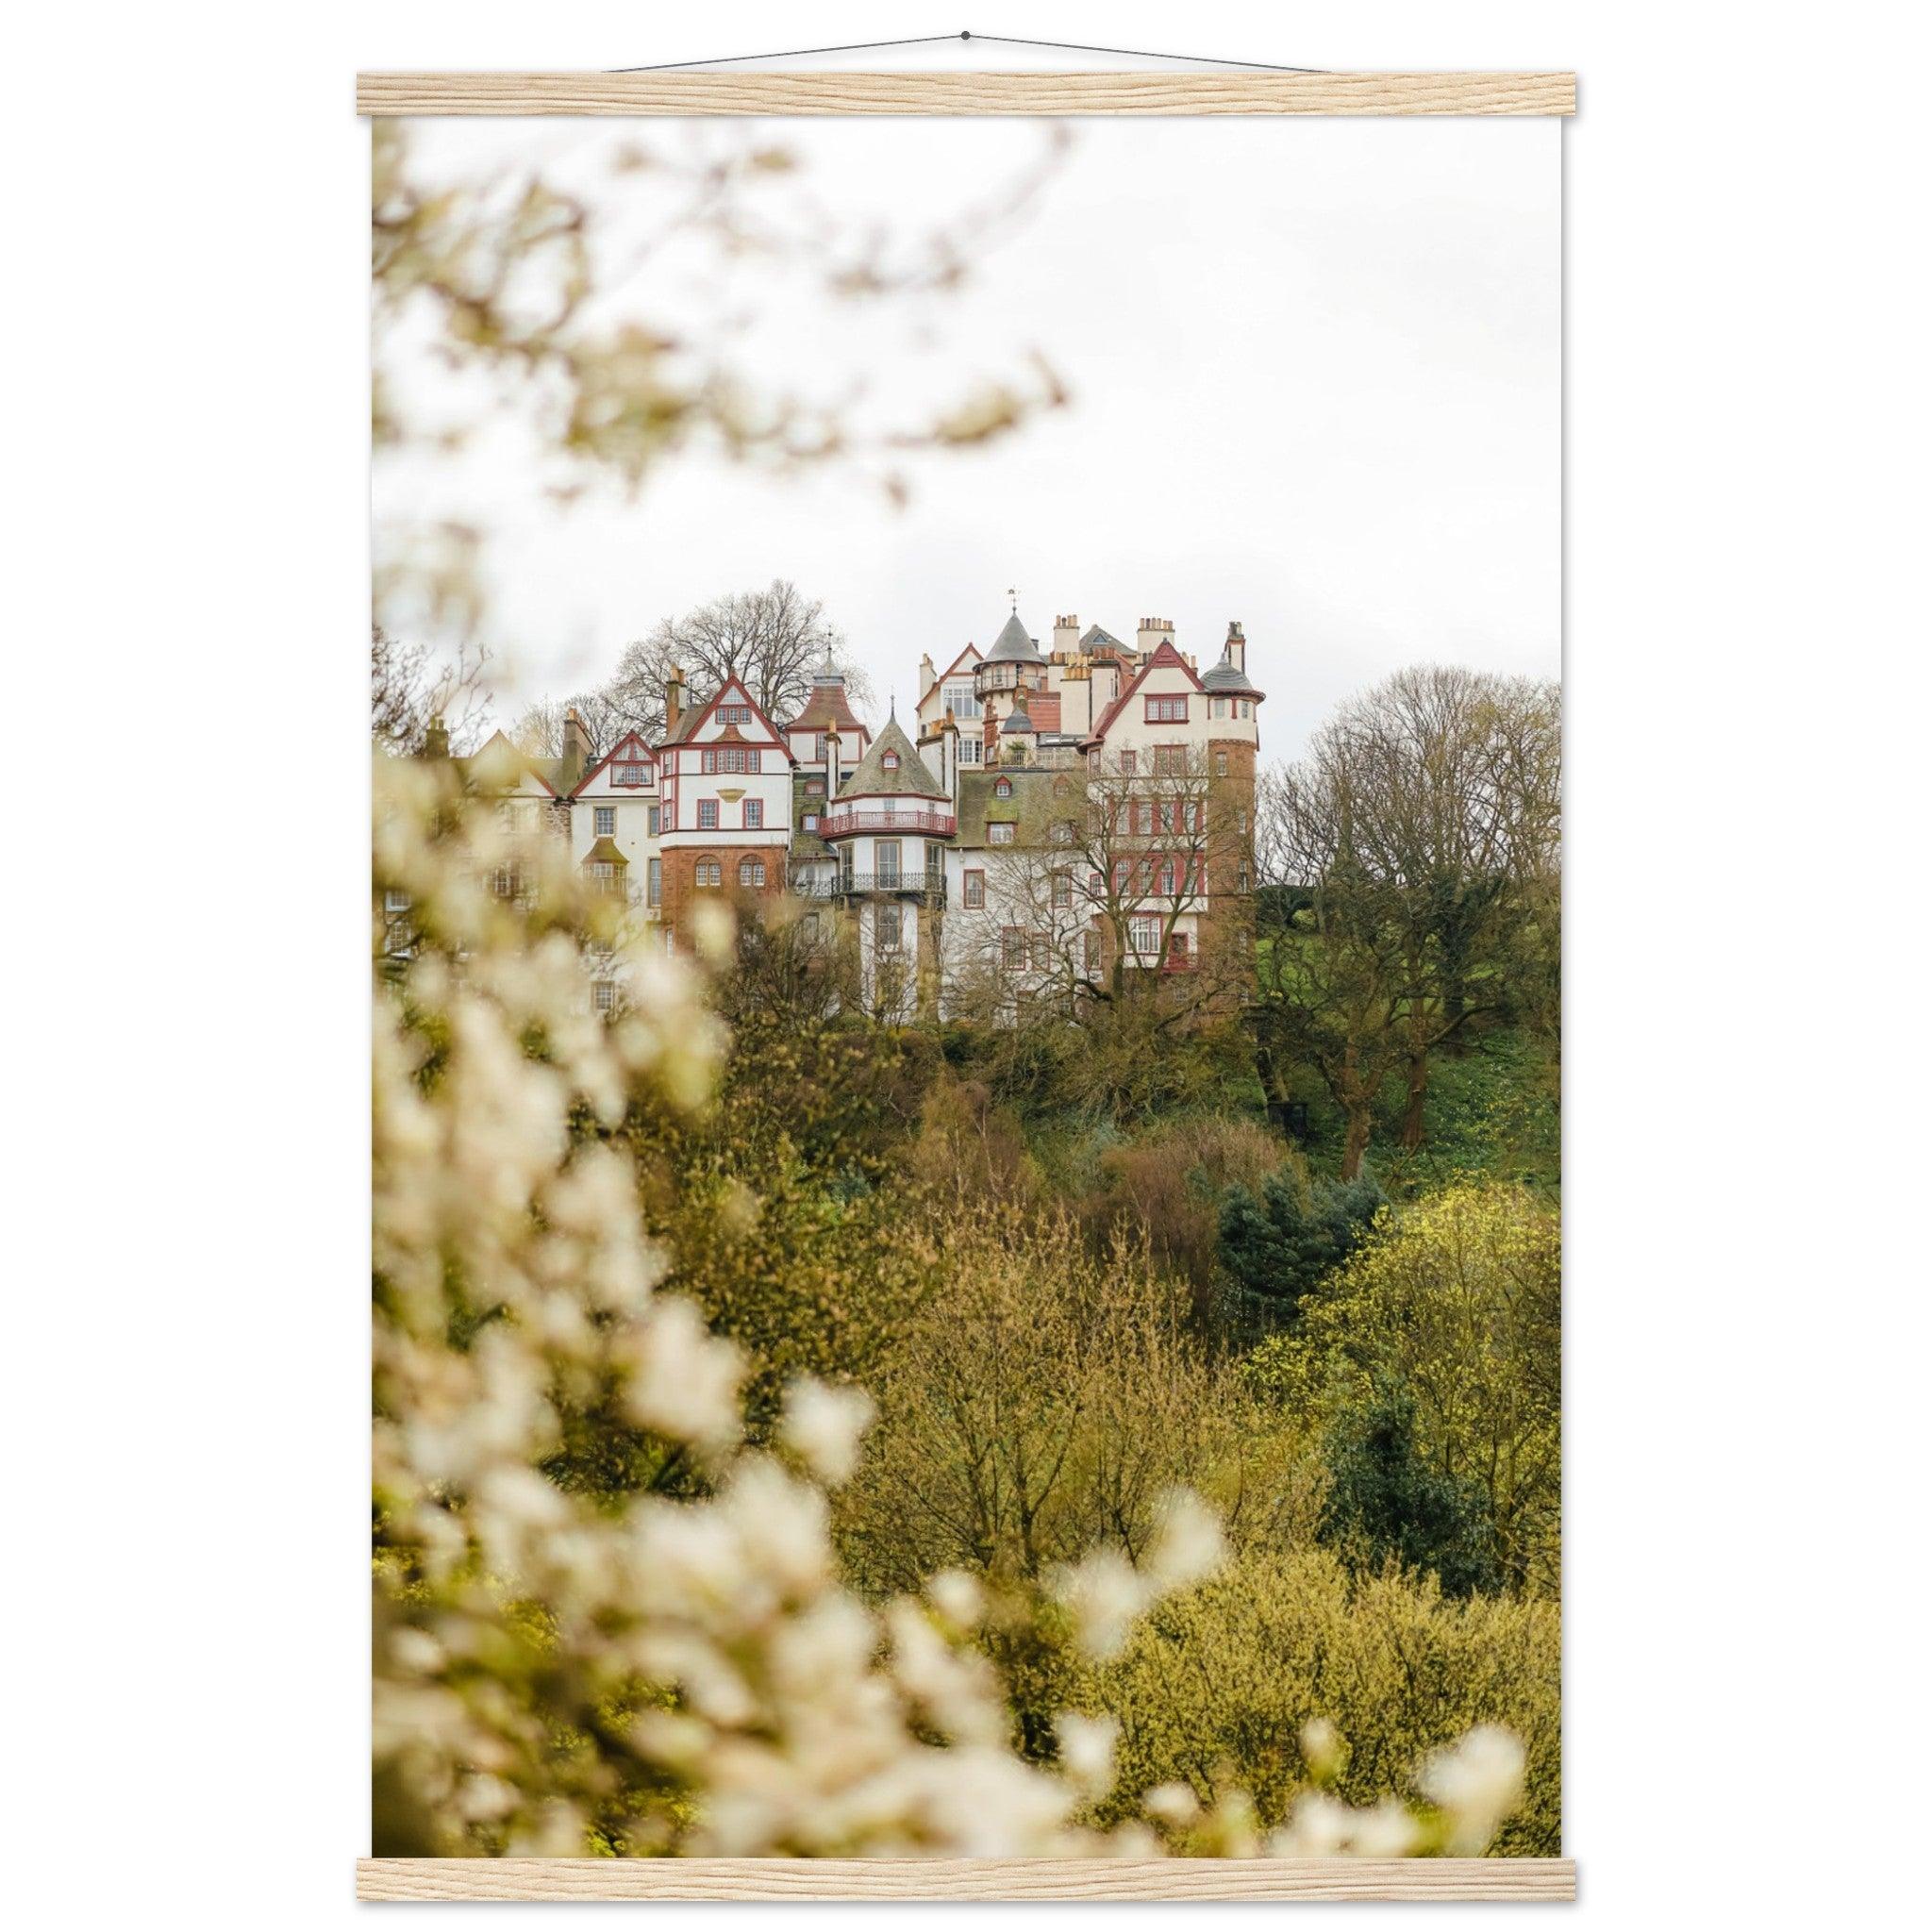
967, 845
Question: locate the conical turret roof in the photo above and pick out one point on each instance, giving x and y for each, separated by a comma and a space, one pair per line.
1013, 646
1226, 677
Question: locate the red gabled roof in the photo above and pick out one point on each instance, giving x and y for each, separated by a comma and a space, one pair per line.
688, 725
971, 651
1164, 653
636, 738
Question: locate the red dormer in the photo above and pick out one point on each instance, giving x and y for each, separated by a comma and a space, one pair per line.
629, 765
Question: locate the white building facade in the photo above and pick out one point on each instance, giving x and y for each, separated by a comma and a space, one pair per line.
1063, 816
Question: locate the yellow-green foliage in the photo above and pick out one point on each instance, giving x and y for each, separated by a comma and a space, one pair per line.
1217, 1685
1460, 1296
766, 1201
1043, 1401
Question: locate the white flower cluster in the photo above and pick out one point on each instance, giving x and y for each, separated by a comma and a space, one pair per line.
554, 1673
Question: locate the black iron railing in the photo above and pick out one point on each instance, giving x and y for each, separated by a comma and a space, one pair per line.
808, 883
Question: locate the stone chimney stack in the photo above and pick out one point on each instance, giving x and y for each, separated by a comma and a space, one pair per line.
1237, 646
1154, 632
949, 757
927, 675
1066, 635
674, 699
435, 739
831, 762
576, 745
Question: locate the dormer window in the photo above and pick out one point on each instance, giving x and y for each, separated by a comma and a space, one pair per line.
628, 775
1002, 788
891, 761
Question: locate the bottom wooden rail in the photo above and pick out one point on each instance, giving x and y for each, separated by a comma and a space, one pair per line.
424, 1879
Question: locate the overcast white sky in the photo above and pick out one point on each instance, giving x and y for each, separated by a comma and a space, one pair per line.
1315, 378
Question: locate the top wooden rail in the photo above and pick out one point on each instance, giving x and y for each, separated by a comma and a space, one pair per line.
965, 94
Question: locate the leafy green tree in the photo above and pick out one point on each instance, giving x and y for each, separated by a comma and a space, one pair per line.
1282, 1244
1217, 1690
1387, 1499
1460, 1301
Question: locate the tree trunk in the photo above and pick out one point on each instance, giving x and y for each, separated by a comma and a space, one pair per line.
1356, 1140
1274, 1089
1418, 1093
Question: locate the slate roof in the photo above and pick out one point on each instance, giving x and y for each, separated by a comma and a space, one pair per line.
1018, 722
1094, 638
1013, 646
1225, 677
1030, 806
912, 779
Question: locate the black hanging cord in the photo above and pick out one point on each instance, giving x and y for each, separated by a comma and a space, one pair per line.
997, 40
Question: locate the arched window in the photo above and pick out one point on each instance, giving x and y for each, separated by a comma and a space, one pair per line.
891, 761
751, 872
1002, 788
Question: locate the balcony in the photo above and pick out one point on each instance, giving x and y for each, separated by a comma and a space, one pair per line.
924, 823
928, 889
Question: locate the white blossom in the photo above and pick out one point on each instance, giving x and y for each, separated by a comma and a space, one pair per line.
825, 1424
685, 1379
1478, 1782
1087, 1747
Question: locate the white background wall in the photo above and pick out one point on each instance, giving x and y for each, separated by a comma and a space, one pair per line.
1746, 680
